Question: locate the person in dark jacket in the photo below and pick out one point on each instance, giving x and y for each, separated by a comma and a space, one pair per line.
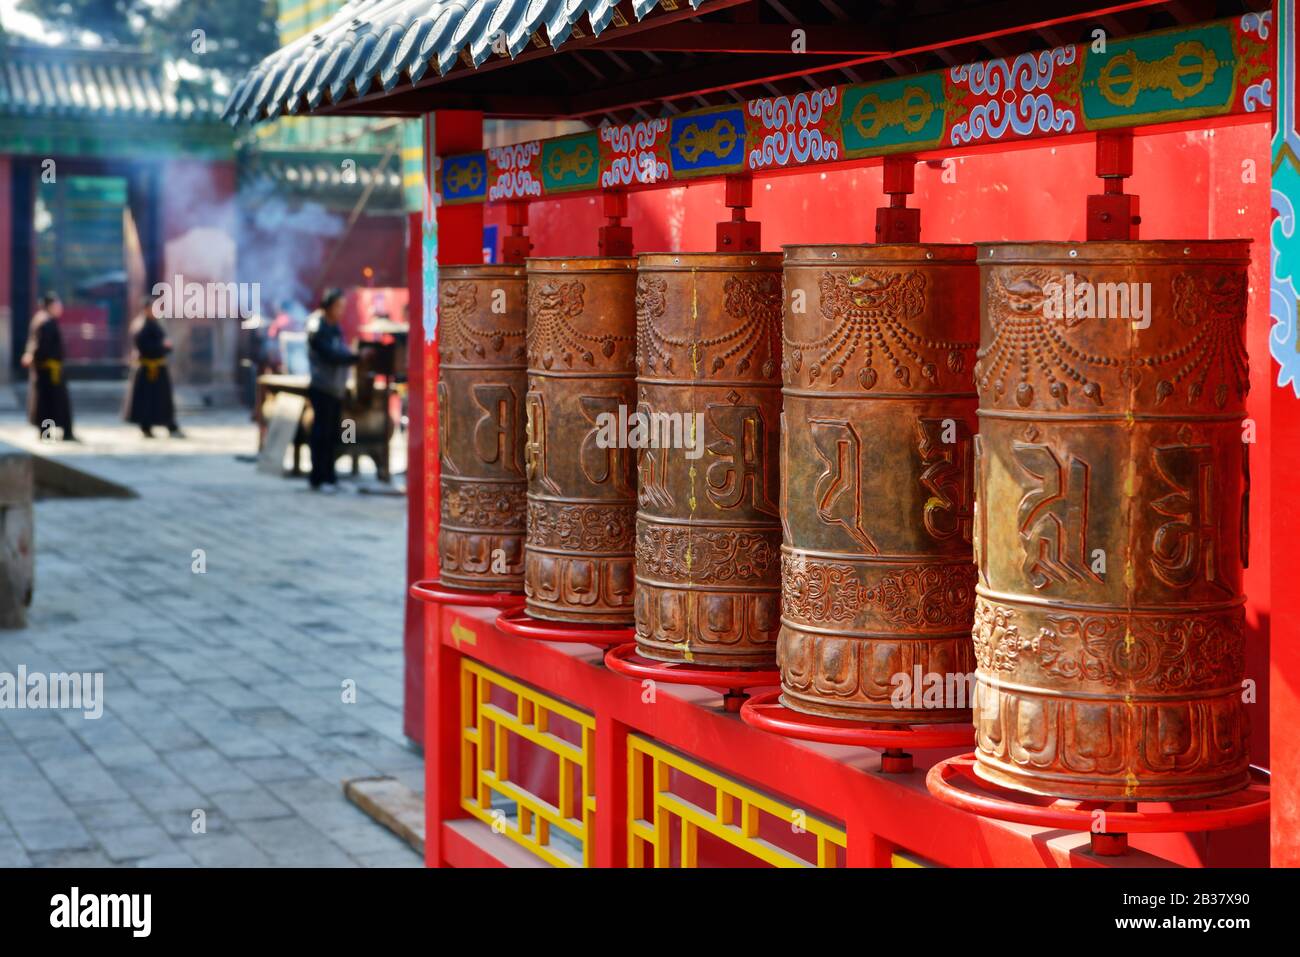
330, 359
48, 403
149, 399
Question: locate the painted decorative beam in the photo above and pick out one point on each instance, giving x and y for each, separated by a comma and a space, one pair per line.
1214, 69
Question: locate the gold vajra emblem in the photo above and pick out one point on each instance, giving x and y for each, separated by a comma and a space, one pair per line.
911, 111
1184, 73
719, 139
577, 161
465, 176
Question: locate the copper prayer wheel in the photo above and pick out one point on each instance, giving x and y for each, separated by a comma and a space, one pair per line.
581, 479
1111, 524
708, 534
482, 383
877, 574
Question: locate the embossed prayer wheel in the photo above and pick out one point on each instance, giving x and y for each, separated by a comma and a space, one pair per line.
581, 480
877, 573
1111, 526
708, 534
482, 383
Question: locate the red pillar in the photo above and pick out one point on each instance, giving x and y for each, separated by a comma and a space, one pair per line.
1283, 454
450, 235
1284, 649
611, 791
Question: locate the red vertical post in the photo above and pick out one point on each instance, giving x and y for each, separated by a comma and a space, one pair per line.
516, 246
739, 235
1113, 215
898, 222
1284, 625
457, 239
1283, 561
611, 792
865, 847
613, 238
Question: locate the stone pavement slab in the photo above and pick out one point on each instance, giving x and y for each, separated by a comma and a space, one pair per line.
226, 609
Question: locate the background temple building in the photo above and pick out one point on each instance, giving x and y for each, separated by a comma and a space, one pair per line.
117, 173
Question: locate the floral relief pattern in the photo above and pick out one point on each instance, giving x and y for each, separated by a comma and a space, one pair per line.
713, 555
600, 528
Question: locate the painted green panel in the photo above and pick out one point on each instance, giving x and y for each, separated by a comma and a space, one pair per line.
571, 162
1160, 76
906, 113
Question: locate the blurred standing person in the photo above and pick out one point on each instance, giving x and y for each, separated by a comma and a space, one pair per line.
149, 400
330, 360
282, 322
47, 393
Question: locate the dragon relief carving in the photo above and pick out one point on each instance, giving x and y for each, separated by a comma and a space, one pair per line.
457, 302
1034, 349
1026, 343
552, 307
1215, 305
872, 312
996, 636
753, 302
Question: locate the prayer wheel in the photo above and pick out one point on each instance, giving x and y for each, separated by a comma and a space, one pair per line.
581, 477
482, 383
877, 574
1111, 524
708, 533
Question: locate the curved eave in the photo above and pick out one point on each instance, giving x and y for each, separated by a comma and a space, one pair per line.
397, 42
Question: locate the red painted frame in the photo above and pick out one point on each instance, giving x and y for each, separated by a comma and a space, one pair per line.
881, 813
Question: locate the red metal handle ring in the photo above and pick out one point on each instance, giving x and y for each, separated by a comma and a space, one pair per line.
624, 660
1230, 810
517, 621
766, 712
435, 592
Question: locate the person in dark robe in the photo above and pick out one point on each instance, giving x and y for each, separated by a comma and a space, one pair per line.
330, 359
149, 399
48, 403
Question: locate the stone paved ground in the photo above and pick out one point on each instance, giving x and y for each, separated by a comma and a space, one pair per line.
223, 690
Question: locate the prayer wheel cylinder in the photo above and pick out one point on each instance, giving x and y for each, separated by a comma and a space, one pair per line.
708, 533
482, 383
877, 573
581, 481
1111, 529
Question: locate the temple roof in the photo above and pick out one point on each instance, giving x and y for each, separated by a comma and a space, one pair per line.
50, 81
620, 61
376, 45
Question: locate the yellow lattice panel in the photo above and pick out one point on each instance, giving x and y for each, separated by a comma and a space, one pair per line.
735, 817
485, 767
